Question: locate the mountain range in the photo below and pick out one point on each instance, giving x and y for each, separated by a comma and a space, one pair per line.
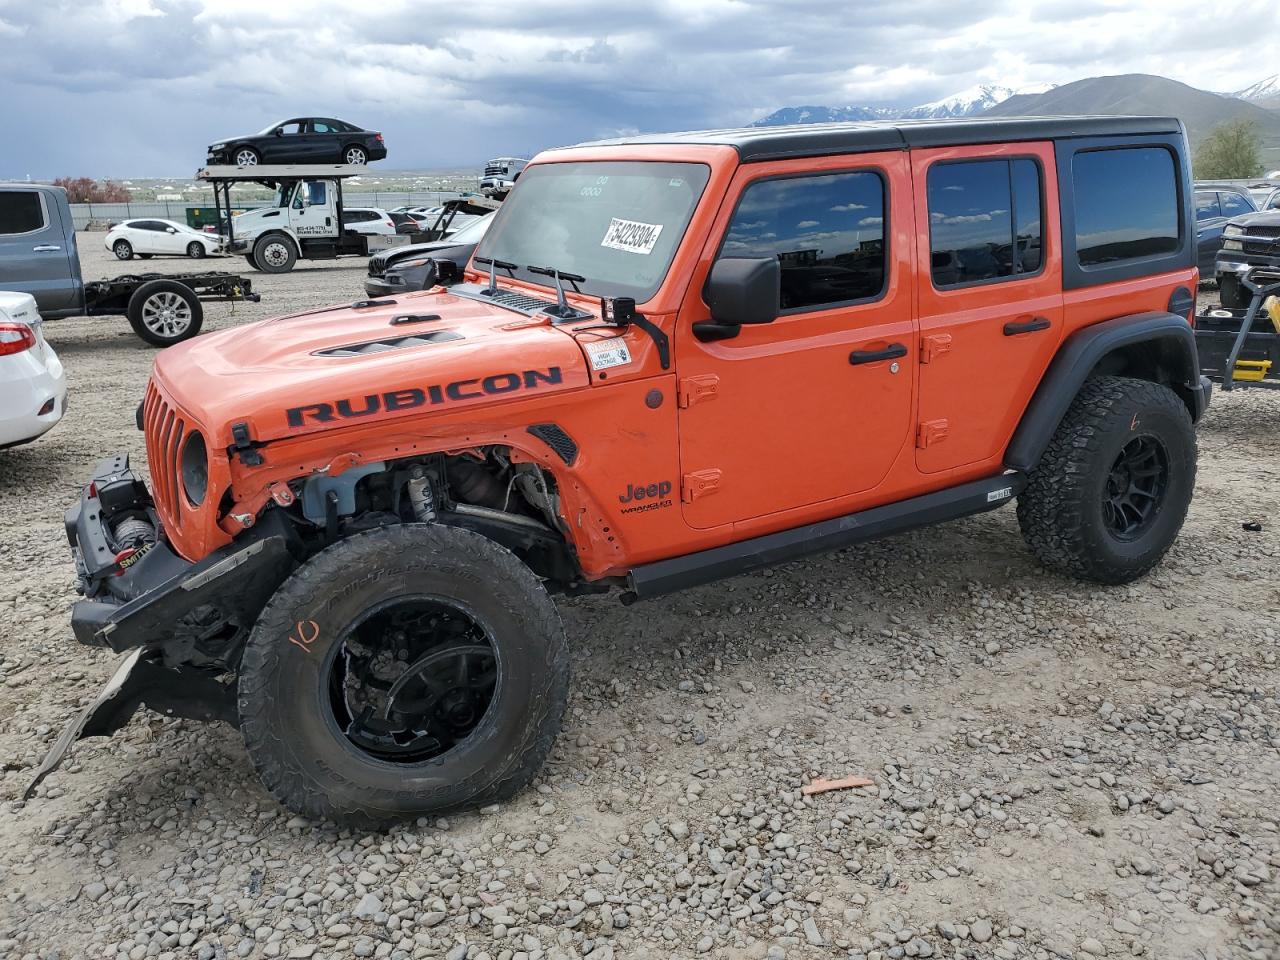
1133, 94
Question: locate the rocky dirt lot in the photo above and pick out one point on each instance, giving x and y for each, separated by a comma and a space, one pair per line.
1059, 770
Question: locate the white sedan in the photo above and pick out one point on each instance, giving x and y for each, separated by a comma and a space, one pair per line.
146, 238
372, 220
33, 388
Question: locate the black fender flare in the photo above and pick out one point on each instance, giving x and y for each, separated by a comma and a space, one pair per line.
1156, 346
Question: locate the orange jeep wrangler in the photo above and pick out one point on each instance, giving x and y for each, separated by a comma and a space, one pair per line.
673, 358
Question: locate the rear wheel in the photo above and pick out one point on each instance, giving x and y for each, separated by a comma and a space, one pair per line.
123, 250
354, 154
165, 312
196, 250
404, 671
274, 253
1107, 499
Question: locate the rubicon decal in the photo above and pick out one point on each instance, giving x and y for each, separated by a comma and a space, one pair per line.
407, 399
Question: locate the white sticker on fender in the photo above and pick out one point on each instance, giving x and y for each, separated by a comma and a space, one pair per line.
608, 353
631, 236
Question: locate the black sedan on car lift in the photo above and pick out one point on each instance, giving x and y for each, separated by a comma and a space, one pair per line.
301, 140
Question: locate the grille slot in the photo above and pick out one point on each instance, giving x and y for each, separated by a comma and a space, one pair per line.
519, 302
390, 343
165, 430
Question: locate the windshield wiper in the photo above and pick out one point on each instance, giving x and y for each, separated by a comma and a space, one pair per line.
493, 279
562, 308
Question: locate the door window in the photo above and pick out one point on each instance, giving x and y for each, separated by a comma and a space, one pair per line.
293, 128
1207, 207
984, 220
21, 211
1234, 205
322, 126
827, 231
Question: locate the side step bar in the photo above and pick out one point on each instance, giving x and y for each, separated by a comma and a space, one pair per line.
693, 569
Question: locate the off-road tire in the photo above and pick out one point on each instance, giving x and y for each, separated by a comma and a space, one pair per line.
196, 250
274, 253
153, 332
123, 250
1061, 511
303, 757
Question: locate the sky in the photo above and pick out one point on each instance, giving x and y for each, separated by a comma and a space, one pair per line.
139, 88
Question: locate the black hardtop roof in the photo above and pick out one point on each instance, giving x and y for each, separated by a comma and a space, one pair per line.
820, 139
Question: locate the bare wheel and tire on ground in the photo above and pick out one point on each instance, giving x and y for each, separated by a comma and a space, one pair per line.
165, 312
406, 670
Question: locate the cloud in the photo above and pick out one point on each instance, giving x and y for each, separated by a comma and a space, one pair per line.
847, 207
139, 87
805, 224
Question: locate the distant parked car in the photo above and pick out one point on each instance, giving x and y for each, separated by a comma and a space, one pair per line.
1272, 202
148, 238
33, 387
500, 175
1215, 206
418, 267
367, 220
301, 140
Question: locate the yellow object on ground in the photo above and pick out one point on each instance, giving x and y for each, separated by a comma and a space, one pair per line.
1272, 307
1251, 370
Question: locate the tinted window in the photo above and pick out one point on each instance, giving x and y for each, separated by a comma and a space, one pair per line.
20, 211
1233, 205
827, 232
320, 126
1126, 204
974, 207
1207, 206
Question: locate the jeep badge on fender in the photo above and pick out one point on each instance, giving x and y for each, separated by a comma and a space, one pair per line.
356, 526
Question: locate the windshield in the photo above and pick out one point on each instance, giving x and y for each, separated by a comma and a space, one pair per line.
473, 231
616, 223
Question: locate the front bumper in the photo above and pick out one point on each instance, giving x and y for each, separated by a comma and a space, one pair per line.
147, 597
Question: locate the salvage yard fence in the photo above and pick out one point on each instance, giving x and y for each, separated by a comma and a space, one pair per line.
100, 214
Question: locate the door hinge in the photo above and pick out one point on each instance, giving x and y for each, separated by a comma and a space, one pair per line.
932, 431
704, 386
934, 346
699, 484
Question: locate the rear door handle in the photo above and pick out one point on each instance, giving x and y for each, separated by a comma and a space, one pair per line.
45, 248
891, 352
1026, 326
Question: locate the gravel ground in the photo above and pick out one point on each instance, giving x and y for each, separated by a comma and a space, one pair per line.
1059, 770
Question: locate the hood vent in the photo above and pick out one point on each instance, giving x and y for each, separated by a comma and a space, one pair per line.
519, 302
372, 347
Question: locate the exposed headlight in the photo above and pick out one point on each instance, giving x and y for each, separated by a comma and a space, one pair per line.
195, 468
1232, 230
217, 146
1237, 245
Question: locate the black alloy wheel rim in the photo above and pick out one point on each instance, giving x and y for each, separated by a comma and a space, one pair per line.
411, 680
1135, 488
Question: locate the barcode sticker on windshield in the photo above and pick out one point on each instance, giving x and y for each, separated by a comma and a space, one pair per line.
631, 236
608, 353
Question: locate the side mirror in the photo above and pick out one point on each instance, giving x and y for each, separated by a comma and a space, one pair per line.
740, 290
170, 230
279, 131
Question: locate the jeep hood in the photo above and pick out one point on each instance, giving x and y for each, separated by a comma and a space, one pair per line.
338, 366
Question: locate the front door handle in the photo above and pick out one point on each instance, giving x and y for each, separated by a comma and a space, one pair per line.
891, 352
45, 248
1026, 326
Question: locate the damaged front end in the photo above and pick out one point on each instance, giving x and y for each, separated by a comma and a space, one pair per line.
184, 622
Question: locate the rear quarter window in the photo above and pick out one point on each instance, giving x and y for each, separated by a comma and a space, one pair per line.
1126, 205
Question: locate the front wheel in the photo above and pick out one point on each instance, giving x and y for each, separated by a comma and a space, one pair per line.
404, 671
196, 250
1233, 294
274, 253
1107, 499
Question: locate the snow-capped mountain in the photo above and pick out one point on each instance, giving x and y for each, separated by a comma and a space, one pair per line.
1268, 89
966, 103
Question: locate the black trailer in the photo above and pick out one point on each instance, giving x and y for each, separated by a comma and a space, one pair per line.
164, 308
1241, 348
